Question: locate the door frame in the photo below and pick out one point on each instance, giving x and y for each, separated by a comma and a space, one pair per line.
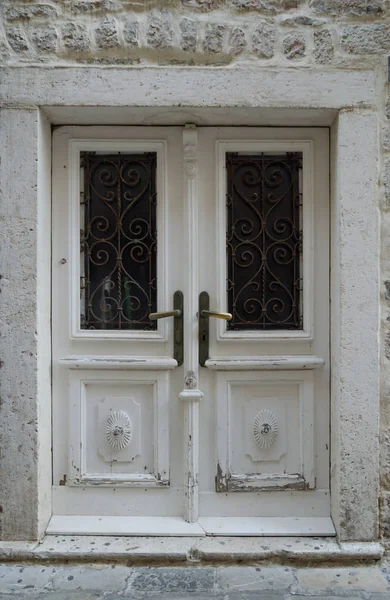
191, 395
43, 97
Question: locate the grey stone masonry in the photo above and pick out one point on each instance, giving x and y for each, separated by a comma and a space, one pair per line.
349, 7
302, 20
232, 582
323, 46
366, 39
237, 41
27, 12
160, 29
386, 180
80, 7
294, 46
45, 39
107, 34
264, 39
267, 6
213, 39
280, 31
189, 34
131, 32
17, 39
76, 36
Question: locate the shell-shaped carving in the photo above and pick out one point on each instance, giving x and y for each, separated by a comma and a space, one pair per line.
265, 428
119, 430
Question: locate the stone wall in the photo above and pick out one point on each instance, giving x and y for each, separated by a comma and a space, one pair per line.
216, 32
301, 34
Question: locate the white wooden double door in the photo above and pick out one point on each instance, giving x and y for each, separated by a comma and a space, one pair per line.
146, 440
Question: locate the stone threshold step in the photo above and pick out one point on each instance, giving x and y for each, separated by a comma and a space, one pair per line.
182, 550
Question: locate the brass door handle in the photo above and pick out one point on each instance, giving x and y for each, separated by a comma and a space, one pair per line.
204, 316
163, 315
216, 315
178, 327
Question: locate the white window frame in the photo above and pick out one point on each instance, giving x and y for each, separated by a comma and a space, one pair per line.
76, 146
306, 147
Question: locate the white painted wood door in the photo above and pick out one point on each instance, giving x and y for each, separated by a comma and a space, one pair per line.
264, 419
142, 445
115, 386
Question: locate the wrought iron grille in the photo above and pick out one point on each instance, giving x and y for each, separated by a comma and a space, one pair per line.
118, 241
264, 241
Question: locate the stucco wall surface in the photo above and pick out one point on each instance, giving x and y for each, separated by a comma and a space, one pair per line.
228, 38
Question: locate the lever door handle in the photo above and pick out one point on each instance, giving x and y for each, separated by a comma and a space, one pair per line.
216, 315
163, 315
178, 326
204, 316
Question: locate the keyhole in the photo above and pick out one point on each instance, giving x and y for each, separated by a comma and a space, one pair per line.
203, 336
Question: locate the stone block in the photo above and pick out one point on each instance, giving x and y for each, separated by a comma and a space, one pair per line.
173, 580
387, 345
237, 41
26, 12
4, 51
213, 38
263, 40
189, 34
201, 4
45, 39
386, 284
385, 449
386, 180
344, 579
159, 33
98, 578
302, 21
20, 464
352, 7
265, 6
131, 32
294, 46
17, 39
24, 579
330, 596
255, 579
366, 39
323, 46
77, 7
107, 34
76, 37
386, 138
245, 4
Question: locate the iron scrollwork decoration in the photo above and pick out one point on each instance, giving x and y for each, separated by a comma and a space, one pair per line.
264, 241
118, 241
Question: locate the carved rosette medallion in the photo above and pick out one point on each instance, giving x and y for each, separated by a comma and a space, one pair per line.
265, 429
119, 430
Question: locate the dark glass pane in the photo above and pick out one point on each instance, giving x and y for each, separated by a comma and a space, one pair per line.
118, 243
264, 286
